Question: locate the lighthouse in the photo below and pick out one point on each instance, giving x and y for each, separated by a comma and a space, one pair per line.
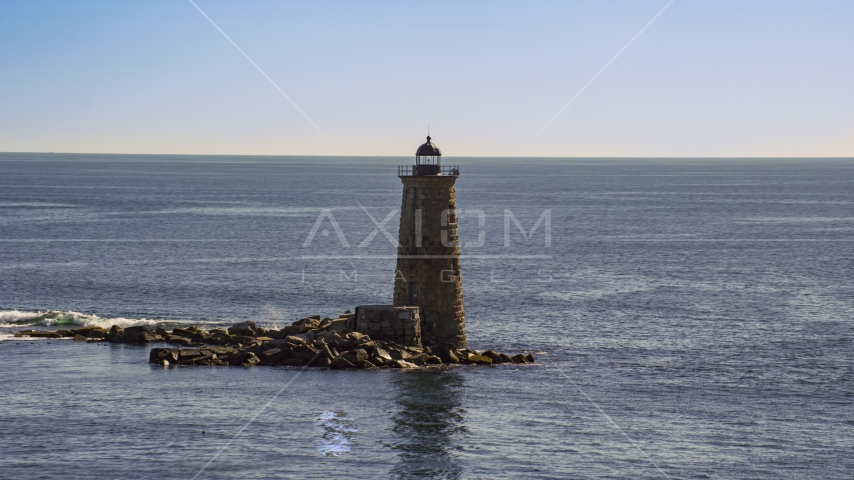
428, 257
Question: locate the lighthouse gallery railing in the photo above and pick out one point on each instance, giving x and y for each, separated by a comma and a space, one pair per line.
411, 170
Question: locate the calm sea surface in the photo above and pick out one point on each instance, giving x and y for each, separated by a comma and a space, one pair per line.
690, 319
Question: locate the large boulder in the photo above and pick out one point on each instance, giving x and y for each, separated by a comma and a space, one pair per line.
218, 350
327, 353
327, 336
478, 359
275, 334
341, 362
245, 359
418, 359
242, 340
249, 359
245, 325
116, 334
188, 353
447, 352
306, 352
291, 330
381, 357
159, 355
355, 356
308, 324
519, 358
176, 340
433, 360
358, 338
321, 362
138, 334
295, 362
222, 338
399, 353
296, 340
494, 356
449, 356
243, 328
192, 334
272, 356
365, 364
97, 333
334, 340
403, 364
340, 326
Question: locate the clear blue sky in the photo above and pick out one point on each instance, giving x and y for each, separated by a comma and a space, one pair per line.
707, 78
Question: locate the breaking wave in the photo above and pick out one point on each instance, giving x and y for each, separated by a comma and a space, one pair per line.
50, 318
337, 433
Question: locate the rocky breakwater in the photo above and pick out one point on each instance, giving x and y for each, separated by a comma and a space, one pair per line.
307, 342
92, 334
312, 342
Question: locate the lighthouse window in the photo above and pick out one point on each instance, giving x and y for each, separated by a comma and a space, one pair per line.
428, 160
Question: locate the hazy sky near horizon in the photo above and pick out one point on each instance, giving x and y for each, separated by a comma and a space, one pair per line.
707, 78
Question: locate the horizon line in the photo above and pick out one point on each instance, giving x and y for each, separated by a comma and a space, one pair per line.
454, 156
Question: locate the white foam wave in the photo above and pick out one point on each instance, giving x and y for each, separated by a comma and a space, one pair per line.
54, 318
13, 316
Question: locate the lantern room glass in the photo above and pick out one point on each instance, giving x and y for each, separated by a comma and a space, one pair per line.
428, 159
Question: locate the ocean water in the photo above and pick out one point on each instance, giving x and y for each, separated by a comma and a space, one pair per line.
691, 318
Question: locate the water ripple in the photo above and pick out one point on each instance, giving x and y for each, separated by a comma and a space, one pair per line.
337, 432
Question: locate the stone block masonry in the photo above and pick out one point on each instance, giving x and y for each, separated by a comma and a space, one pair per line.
397, 323
428, 262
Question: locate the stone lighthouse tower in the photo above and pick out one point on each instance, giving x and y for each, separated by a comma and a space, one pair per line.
428, 255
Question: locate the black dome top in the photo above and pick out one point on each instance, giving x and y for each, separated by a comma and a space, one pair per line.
428, 149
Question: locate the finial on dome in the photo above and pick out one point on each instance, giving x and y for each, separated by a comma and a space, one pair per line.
429, 149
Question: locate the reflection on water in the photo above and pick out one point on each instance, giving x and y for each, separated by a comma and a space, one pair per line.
429, 424
337, 433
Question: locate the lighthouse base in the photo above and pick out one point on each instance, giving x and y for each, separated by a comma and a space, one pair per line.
398, 323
